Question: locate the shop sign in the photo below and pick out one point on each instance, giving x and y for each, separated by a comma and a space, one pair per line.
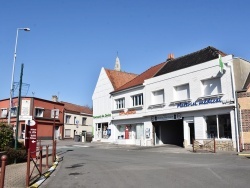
166, 117
197, 103
127, 113
102, 116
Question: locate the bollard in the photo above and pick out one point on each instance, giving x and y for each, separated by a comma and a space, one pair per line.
47, 156
28, 169
214, 146
55, 151
193, 145
41, 160
4, 160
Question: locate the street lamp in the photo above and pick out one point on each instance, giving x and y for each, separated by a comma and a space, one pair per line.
12, 76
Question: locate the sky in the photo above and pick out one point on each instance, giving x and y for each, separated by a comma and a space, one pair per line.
71, 40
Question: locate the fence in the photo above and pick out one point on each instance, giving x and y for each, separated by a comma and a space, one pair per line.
207, 145
36, 166
24, 174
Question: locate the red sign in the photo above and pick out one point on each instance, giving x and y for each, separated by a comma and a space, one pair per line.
31, 139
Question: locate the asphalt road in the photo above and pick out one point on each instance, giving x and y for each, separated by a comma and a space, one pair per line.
110, 167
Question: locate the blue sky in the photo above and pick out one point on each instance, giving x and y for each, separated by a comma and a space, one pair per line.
71, 40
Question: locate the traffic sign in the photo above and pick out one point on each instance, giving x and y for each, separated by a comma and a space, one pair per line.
30, 122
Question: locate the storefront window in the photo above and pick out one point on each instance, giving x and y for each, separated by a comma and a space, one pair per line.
139, 131
219, 123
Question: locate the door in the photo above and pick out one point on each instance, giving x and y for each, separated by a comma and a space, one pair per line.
157, 134
191, 131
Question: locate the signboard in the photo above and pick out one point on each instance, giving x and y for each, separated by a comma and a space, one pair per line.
31, 138
24, 117
25, 110
166, 117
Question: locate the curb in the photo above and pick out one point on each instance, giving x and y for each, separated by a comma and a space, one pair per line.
244, 154
40, 180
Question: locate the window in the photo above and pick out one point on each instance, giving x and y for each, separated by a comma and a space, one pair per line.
84, 120
39, 112
139, 131
211, 86
13, 111
4, 112
75, 121
55, 113
67, 132
158, 97
182, 92
219, 125
120, 103
137, 100
67, 119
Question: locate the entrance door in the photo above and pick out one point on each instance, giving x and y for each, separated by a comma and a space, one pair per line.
191, 131
157, 134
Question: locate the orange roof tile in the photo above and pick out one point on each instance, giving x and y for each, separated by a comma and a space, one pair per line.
140, 78
119, 78
69, 107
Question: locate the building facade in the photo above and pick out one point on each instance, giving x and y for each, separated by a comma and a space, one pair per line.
108, 81
78, 120
48, 116
191, 97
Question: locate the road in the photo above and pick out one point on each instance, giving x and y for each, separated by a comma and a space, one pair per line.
100, 166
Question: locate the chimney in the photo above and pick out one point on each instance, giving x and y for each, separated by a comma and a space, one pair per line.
54, 98
170, 57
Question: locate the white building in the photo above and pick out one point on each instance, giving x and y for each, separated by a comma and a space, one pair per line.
108, 81
187, 98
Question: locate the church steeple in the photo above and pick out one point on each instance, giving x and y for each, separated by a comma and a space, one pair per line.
117, 63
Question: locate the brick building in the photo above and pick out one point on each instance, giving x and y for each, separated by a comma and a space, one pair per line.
47, 114
244, 114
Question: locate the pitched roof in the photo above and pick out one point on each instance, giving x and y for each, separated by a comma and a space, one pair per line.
76, 108
140, 78
119, 78
191, 59
247, 83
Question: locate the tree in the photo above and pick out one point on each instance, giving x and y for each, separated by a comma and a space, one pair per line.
6, 136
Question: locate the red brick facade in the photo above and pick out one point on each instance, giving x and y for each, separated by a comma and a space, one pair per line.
244, 106
48, 127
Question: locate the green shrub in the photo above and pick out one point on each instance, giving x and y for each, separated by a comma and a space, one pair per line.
6, 136
20, 155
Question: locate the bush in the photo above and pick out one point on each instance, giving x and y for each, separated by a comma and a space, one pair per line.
20, 155
6, 136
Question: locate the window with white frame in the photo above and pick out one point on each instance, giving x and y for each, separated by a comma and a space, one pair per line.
120, 103
218, 126
67, 132
55, 113
4, 112
67, 119
75, 121
39, 112
84, 119
137, 100
158, 97
211, 86
181, 92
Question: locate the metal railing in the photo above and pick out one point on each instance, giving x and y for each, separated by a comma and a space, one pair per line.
208, 145
36, 166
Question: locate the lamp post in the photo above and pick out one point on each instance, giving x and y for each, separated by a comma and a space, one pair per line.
12, 76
